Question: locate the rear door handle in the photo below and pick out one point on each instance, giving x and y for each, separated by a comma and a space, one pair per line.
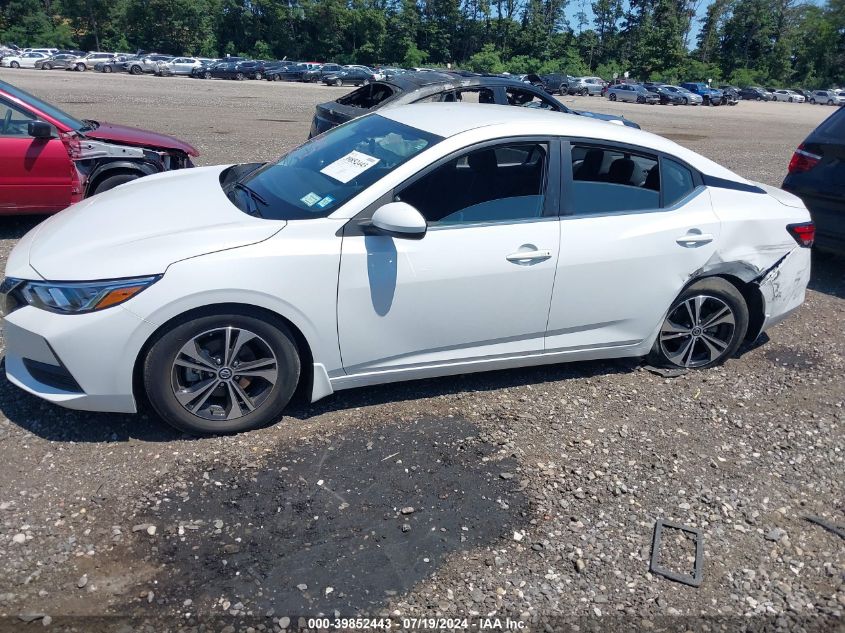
695, 239
522, 257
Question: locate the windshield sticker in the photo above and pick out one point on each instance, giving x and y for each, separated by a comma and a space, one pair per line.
325, 202
350, 166
311, 199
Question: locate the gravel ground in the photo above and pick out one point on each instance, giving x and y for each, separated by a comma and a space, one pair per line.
531, 494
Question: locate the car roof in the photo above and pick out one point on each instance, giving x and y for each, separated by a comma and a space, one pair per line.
451, 119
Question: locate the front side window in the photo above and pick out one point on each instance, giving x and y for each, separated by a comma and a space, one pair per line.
504, 183
611, 180
13, 120
316, 178
528, 99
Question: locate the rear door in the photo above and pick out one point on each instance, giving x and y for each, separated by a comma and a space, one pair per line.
635, 227
35, 174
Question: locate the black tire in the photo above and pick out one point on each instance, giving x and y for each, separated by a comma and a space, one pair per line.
113, 181
239, 76
790, 99
612, 96
315, 79
759, 98
80, 68
717, 293
14, 65
106, 69
338, 82
47, 66
830, 102
159, 373
813, 101
259, 76
206, 75
135, 70
583, 92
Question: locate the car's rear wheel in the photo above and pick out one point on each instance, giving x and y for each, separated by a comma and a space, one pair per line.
315, 79
583, 92
830, 102
207, 75
239, 76
14, 65
47, 66
106, 69
704, 326
259, 76
612, 97
686, 101
222, 373
79, 68
338, 82
813, 101
135, 70
113, 181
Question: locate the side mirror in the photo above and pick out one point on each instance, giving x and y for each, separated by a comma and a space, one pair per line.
397, 219
39, 129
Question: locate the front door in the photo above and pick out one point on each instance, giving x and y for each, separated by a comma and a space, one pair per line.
35, 174
477, 286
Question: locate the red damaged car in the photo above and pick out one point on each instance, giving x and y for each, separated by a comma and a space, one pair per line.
49, 159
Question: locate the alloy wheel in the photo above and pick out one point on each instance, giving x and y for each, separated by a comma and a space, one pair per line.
224, 373
697, 331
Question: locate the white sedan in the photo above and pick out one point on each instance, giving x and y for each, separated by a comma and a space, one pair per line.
425, 240
22, 60
788, 95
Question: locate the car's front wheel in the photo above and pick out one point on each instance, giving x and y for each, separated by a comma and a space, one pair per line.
222, 373
14, 65
338, 82
106, 68
704, 326
612, 97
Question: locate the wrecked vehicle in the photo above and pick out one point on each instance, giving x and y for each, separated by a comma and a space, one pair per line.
446, 87
424, 240
50, 160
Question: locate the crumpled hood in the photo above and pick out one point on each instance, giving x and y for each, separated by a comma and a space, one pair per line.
140, 228
139, 138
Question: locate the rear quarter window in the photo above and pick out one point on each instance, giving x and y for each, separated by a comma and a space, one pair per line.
833, 127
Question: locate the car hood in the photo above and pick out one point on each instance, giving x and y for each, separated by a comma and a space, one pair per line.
140, 138
618, 120
140, 228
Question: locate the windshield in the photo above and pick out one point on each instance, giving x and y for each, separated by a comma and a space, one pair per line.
52, 111
318, 177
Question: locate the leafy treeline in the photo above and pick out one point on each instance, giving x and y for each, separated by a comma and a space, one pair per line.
784, 42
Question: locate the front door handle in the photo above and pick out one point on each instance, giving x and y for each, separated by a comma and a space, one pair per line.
695, 239
525, 257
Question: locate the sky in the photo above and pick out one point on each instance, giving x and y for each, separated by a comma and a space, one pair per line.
574, 7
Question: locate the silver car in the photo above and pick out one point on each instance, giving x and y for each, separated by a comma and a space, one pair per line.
587, 86
148, 64
690, 98
631, 92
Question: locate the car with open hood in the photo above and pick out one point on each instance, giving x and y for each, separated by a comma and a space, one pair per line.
443, 87
423, 240
50, 159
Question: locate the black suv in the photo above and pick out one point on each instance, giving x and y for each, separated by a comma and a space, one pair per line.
817, 176
755, 94
432, 86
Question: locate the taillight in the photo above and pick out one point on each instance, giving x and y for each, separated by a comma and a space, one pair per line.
802, 160
804, 233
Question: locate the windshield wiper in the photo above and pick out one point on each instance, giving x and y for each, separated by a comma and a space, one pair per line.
253, 196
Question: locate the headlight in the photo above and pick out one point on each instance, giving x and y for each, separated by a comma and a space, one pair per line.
71, 298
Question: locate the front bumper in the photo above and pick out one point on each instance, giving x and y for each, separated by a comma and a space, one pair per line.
79, 361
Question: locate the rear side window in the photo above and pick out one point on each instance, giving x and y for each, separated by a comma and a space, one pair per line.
612, 180
368, 96
677, 182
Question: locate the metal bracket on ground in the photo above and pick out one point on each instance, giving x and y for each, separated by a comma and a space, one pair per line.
656, 568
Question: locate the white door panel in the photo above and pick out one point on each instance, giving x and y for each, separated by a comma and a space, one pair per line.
457, 294
618, 274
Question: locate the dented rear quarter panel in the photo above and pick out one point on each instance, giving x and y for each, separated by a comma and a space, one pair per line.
754, 240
